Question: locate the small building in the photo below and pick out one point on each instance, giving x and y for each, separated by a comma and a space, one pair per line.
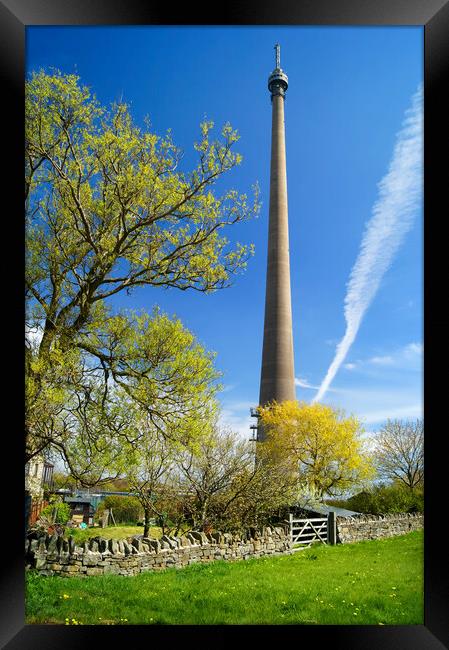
81, 506
38, 480
38, 477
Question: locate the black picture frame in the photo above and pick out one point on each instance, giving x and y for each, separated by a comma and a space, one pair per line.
433, 15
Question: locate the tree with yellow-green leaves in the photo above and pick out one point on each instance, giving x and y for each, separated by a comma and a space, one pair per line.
319, 444
110, 209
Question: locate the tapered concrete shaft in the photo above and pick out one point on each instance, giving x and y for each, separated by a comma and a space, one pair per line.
277, 375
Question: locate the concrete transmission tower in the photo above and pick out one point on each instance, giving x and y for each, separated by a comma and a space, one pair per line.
277, 381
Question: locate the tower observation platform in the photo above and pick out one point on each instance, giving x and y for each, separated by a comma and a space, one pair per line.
278, 80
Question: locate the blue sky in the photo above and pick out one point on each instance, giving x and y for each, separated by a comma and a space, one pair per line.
349, 89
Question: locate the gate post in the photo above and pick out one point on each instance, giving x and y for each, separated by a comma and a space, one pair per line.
290, 519
331, 528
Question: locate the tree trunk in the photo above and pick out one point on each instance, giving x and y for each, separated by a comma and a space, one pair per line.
204, 507
146, 527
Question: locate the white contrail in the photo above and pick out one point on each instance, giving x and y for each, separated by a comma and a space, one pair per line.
399, 198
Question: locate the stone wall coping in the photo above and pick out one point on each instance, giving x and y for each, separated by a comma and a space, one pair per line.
42, 542
387, 517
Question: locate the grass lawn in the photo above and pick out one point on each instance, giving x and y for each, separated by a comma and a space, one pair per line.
369, 583
111, 532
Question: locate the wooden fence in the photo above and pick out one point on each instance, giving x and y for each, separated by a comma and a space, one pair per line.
37, 505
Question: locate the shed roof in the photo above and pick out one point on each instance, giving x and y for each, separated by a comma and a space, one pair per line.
324, 509
78, 500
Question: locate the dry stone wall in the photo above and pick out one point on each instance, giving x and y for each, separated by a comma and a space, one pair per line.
375, 527
53, 555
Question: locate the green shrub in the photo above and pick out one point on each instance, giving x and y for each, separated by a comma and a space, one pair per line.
57, 512
386, 499
124, 509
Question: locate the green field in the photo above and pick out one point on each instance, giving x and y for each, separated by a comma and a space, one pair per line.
368, 583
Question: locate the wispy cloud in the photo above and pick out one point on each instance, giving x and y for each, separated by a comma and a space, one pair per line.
414, 349
382, 361
235, 415
399, 197
408, 357
374, 406
228, 388
408, 412
301, 382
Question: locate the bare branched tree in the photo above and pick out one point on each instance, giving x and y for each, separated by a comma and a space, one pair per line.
399, 452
